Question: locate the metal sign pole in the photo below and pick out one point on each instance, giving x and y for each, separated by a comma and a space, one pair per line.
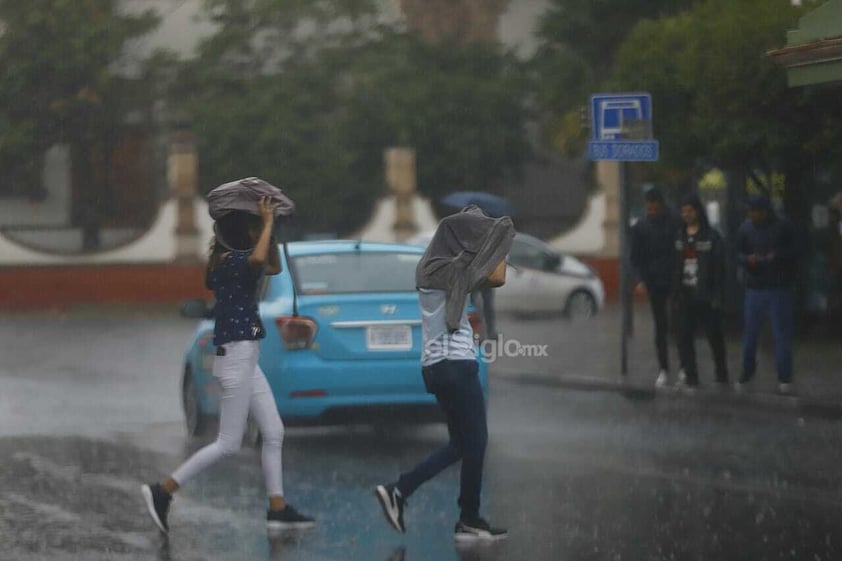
625, 288
621, 126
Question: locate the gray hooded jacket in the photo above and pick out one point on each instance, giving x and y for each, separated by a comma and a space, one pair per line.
464, 251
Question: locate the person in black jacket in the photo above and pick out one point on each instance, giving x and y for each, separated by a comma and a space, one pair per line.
699, 284
652, 240
767, 252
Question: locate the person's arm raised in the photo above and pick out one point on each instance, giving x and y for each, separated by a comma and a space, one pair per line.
273, 266
259, 254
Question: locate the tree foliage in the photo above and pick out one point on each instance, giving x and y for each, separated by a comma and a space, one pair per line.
460, 108
578, 42
60, 81
717, 97
309, 94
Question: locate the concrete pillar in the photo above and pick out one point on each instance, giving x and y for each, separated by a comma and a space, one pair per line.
183, 178
608, 179
401, 180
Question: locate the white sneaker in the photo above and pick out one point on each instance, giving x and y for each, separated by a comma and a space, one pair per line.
682, 377
685, 388
785, 389
662, 380
477, 530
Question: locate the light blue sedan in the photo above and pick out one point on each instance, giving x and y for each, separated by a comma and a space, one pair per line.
343, 339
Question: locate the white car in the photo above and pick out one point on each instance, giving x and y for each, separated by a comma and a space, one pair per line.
541, 280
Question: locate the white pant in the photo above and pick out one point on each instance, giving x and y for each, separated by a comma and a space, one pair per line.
244, 389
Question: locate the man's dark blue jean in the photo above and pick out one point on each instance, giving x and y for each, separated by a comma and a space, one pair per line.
777, 304
455, 383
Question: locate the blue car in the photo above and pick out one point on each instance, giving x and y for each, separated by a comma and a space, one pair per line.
343, 339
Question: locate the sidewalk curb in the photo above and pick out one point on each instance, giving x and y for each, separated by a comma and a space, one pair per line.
799, 405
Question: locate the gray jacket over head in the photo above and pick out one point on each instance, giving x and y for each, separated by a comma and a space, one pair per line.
244, 194
464, 251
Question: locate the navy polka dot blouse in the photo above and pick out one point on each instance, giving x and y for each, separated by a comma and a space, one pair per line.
234, 282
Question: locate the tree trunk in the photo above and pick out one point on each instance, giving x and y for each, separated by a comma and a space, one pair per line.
796, 201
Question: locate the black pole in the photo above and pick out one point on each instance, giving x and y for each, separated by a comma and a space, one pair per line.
292, 277
625, 276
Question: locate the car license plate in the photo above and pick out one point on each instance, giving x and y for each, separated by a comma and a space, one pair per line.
389, 338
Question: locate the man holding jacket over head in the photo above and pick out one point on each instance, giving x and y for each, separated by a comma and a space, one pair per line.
467, 253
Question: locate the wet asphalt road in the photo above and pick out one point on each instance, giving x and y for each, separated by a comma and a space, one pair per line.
89, 410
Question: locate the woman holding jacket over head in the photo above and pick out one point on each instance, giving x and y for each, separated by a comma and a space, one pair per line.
242, 251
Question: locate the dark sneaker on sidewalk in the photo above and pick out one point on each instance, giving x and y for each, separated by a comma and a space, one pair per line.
158, 503
744, 383
745, 378
477, 530
288, 519
392, 504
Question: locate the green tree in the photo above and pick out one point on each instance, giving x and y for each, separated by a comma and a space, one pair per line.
311, 100
59, 85
267, 98
578, 42
719, 99
461, 108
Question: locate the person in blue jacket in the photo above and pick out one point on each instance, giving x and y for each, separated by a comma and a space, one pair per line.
767, 253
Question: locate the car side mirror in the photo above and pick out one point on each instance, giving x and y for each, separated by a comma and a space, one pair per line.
197, 309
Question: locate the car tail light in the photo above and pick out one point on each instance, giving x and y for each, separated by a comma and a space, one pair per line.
297, 333
308, 393
476, 323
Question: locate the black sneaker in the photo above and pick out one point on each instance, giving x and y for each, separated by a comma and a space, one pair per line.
392, 504
477, 529
288, 519
158, 503
745, 378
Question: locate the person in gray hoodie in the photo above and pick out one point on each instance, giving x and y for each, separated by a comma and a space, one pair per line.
466, 253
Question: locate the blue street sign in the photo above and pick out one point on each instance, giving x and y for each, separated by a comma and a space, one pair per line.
623, 150
614, 115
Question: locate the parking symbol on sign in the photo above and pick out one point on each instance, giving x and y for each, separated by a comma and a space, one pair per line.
621, 116
621, 124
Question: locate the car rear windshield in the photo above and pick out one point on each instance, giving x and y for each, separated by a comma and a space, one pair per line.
331, 273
